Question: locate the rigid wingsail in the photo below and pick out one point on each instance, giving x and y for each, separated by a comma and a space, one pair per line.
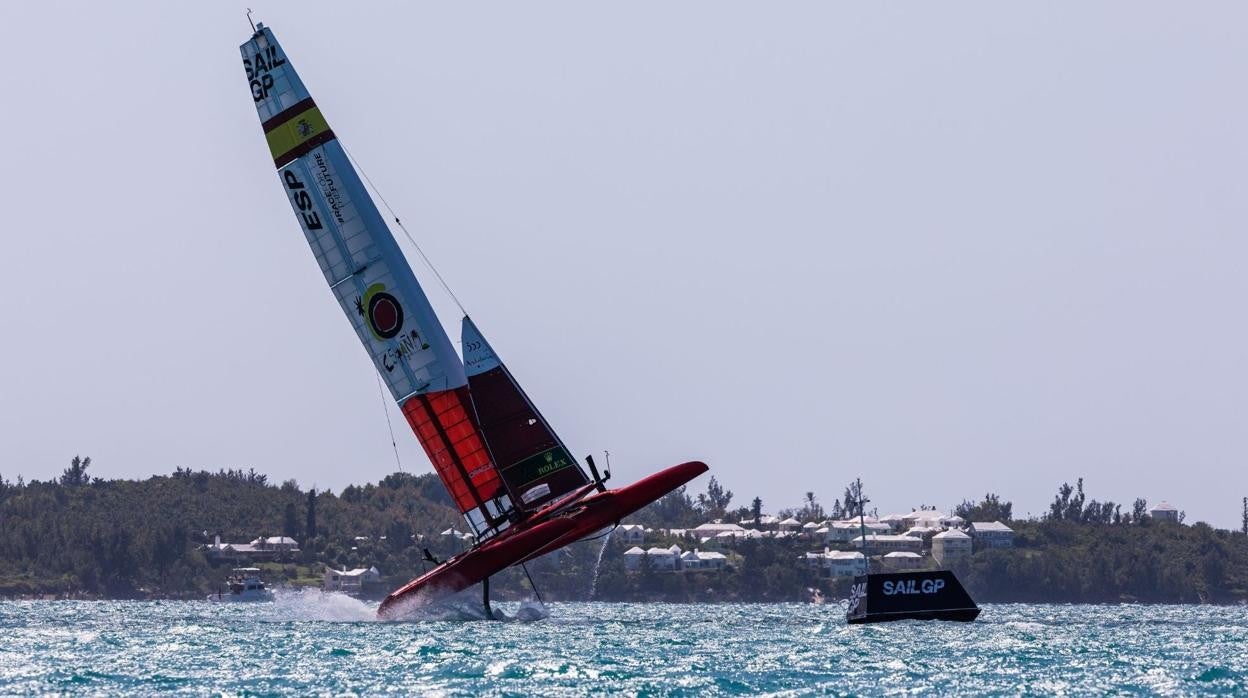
521, 491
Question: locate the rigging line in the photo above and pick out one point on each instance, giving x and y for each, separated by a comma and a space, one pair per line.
386, 409
445, 286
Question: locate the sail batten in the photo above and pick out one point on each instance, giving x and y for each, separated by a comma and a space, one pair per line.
374, 284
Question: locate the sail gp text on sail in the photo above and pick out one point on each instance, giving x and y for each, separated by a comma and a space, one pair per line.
258, 67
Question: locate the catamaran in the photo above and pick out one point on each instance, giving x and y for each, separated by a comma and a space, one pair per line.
508, 472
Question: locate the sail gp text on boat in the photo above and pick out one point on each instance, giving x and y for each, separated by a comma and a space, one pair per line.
911, 586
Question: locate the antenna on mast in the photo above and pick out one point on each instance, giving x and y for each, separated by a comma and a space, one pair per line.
249, 21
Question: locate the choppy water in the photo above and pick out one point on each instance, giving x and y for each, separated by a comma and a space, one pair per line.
330, 644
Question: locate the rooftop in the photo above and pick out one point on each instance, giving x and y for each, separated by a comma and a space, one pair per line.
991, 526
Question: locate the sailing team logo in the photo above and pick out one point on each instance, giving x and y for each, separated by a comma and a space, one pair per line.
382, 311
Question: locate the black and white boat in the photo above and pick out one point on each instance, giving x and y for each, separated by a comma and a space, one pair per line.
926, 595
920, 595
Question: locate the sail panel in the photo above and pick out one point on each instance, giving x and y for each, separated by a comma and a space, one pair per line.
526, 450
445, 424
372, 281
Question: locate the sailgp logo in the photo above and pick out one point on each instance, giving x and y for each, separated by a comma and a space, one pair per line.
911, 586
382, 311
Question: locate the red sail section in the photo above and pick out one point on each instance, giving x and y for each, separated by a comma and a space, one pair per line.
445, 423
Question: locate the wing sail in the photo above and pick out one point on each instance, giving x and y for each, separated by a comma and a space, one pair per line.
374, 285
533, 461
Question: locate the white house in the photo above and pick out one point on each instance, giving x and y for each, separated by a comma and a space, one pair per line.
1164, 512
950, 546
790, 524
991, 534
923, 533
633, 557
895, 522
886, 544
349, 581
707, 531
765, 521
258, 549
841, 563
698, 560
631, 534
924, 518
664, 559
903, 560
845, 531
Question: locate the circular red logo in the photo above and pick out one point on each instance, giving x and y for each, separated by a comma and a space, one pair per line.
385, 315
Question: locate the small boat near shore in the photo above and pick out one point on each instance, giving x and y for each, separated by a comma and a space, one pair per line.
243, 585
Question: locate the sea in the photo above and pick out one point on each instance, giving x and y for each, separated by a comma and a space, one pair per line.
311, 643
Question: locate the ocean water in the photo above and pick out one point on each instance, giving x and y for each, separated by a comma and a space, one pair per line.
313, 643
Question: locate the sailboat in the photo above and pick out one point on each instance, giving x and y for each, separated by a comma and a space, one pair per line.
521, 491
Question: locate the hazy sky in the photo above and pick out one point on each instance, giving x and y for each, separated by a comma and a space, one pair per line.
951, 248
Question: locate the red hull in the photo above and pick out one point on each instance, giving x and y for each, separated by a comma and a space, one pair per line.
466, 569
549, 530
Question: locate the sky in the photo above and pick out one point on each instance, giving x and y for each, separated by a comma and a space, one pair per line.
949, 249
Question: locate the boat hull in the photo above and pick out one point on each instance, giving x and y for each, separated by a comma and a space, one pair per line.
922, 595
549, 530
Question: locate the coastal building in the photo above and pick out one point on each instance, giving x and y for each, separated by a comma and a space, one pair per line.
950, 546
707, 531
923, 533
673, 559
836, 563
895, 522
350, 581
633, 557
284, 544
664, 559
699, 560
630, 534
878, 544
257, 550
991, 534
790, 524
1164, 512
765, 522
845, 531
924, 518
903, 560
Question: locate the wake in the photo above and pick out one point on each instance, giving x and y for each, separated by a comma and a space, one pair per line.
334, 607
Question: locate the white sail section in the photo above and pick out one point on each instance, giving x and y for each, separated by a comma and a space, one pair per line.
479, 356
359, 257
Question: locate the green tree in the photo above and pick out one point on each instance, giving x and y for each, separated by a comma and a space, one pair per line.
76, 474
990, 508
309, 529
714, 503
756, 511
290, 521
